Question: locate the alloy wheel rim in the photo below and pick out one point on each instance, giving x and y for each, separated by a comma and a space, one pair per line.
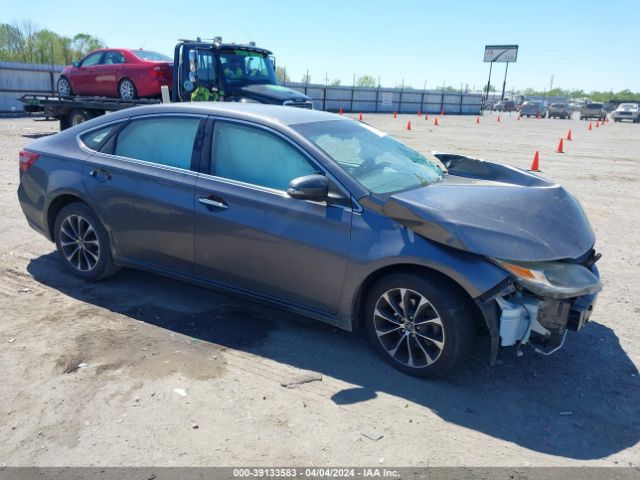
63, 88
126, 90
79, 243
409, 327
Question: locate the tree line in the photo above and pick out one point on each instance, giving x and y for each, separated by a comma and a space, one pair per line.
26, 42
595, 96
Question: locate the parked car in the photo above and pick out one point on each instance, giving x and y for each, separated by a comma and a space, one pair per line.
323, 215
559, 110
532, 108
123, 73
505, 106
626, 111
593, 110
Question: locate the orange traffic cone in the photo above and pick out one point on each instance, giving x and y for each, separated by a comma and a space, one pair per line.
419, 113
395, 114
340, 112
426, 116
535, 165
590, 128
478, 119
409, 125
360, 116
498, 119
597, 123
559, 148
442, 113
519, 117
569, 135
435, 121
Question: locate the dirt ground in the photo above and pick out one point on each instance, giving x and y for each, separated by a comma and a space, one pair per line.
141, 370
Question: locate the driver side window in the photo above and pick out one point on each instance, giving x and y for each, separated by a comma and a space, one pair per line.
91, 60
251, 155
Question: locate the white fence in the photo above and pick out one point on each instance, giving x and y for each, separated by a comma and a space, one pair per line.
16, 79
360, 99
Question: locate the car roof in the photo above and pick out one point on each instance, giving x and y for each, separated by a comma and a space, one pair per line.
244, 111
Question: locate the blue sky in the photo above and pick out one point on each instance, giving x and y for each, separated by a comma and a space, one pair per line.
581, 43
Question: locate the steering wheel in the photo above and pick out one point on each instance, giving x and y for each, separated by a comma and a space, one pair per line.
365, 167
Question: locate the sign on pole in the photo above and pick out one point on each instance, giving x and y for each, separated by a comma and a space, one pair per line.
500, 53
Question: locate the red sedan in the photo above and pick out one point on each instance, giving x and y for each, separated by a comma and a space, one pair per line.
108, 72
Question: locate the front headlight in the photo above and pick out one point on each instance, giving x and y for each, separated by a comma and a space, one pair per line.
555, 280
248, 100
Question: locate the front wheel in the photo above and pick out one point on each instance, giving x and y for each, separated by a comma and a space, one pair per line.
127, 90
420, 326
83, 243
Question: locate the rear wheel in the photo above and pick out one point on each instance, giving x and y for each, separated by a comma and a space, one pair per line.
79, 116
83, 243
64, 87
127, 90
421, 327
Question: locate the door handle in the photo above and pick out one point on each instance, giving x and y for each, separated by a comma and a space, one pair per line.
101, 172
209, 202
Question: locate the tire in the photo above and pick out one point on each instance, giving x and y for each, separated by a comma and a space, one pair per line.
83, 243
79, 116
127, 89
64, 87
445, 319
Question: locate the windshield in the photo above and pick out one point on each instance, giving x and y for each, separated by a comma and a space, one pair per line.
151, 56
559, 105
240, 67
380, 163
628, 106
594, 106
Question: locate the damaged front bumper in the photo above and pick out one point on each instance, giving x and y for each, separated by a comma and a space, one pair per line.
541, 302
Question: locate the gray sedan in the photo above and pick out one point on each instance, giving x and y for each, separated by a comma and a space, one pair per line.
322, 215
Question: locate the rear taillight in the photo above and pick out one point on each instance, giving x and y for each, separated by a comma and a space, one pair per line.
27, 159
161, 72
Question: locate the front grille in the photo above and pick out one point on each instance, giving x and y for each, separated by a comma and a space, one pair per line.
304, 104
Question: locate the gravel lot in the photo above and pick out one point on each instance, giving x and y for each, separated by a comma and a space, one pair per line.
89, 372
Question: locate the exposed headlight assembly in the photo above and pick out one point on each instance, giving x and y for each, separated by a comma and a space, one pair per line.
556, 280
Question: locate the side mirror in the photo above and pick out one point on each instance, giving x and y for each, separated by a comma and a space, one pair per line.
309, 187
75, 64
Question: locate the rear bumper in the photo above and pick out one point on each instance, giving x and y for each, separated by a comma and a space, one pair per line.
31, 203
151, 88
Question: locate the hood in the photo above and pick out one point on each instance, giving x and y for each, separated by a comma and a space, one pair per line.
496, 211
275, 93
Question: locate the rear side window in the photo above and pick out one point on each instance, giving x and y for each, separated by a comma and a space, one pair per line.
250, 155
163, 140
113, 58
95, 139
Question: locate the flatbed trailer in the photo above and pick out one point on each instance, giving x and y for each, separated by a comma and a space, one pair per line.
74, 110
197, 67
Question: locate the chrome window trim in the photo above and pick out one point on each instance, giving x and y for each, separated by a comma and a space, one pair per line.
83, 146
148, 163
